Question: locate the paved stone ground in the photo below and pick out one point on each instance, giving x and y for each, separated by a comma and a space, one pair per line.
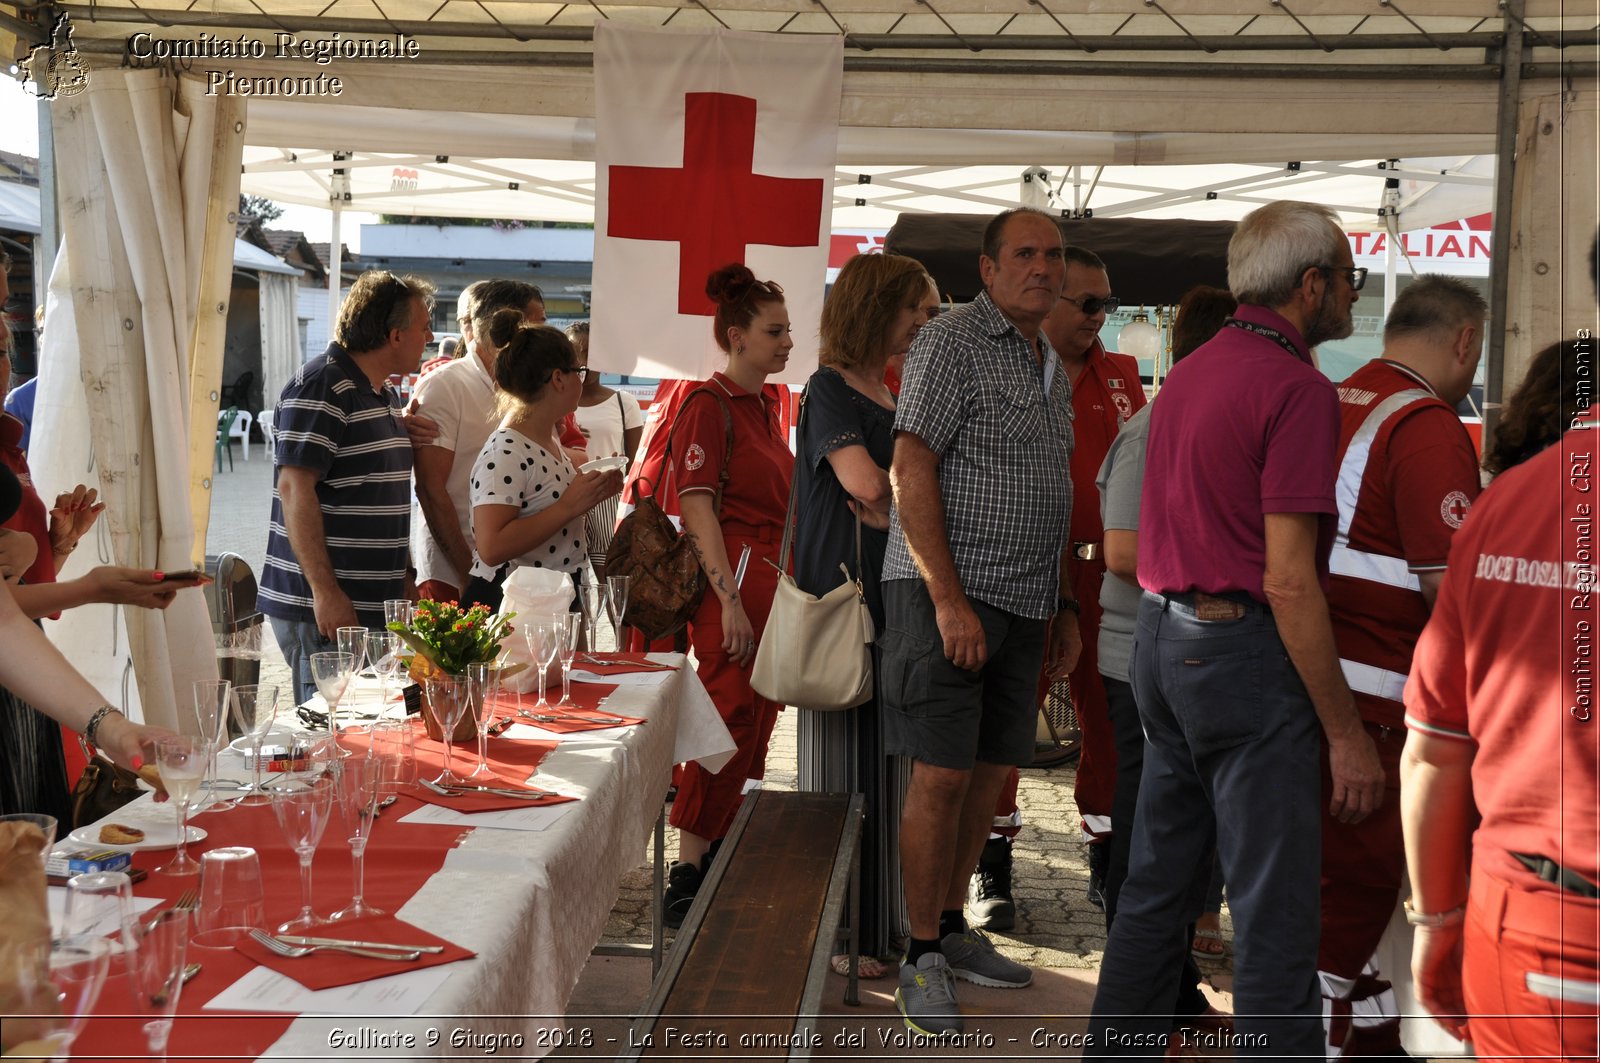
1056, 927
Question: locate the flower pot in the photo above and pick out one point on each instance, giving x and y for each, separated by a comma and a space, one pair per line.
445, 697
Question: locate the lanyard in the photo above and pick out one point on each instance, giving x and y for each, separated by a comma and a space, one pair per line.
1270, 333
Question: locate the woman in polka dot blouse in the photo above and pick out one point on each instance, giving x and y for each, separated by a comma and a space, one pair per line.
528, 501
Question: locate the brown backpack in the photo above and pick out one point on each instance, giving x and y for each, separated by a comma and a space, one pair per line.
665, 581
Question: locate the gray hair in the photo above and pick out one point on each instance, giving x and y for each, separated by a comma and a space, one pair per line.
1274, 245
1436, 304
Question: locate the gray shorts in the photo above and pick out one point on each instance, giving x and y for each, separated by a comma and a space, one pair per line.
947, 716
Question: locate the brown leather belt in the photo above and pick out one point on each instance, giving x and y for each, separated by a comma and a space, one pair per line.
1210, 606
1086, 551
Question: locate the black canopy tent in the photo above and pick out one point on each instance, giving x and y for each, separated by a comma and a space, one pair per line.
1151, 261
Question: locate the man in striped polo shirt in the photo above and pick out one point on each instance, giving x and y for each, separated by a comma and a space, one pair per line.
341, 496
1407, 475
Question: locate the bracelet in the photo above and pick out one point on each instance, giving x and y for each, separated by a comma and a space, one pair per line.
93, 727
1068, 605
1453, 917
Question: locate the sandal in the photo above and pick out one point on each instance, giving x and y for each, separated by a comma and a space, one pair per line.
866, 966
1208, 945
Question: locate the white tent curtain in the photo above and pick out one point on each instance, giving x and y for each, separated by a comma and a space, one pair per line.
148, 181
280, 333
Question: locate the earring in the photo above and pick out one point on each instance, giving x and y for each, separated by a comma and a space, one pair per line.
739, 349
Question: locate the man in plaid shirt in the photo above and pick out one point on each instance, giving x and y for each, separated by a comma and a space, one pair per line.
971, 583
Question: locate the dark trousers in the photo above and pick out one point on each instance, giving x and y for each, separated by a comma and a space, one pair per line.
1231, 759
1128, 734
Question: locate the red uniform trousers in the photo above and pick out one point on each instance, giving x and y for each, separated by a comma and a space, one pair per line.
1362, 864
1096, 780
1513, 936
706, 802
437, 590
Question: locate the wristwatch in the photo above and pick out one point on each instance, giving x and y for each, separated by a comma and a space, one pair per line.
1452, 917
1068, 604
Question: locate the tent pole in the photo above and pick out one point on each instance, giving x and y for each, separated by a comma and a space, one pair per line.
335, 268
1500, 235
44, 248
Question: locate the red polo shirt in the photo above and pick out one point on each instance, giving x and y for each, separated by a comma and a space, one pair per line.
33, 516
1107, 392
757, 493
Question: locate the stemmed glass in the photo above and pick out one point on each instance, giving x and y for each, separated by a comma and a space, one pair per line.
301, 800
255, 707
398, 611
360, 788
544, 646
569, 626
447, 698
211, 713
617, 604
383, 654
181, 759
332, 671
591, 599
51, 987
156, 957
353, 640
482, 680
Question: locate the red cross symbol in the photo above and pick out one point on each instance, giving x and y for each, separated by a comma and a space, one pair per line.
715, 205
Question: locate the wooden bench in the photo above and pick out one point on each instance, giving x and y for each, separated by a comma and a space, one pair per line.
746, 970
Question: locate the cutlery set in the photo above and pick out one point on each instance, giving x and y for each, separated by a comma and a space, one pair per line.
492, 791
293, 948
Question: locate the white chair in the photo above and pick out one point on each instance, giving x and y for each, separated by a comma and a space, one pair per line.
241, 431
264, 422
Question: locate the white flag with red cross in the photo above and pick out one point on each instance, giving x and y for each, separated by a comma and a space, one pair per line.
710, 148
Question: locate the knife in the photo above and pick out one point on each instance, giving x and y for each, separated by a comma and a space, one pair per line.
341, 942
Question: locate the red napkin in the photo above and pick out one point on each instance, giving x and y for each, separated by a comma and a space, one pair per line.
489, 802
327, 968
618, 664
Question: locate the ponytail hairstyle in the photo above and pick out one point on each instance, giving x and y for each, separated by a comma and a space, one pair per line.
528, 356
738, 296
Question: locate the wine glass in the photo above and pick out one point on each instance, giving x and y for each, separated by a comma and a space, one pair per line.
360, 787
332, 671
156, 958
482, 680
50, 988
591, 599
255, 707
544, 646
302, 799
353, 640
211, 713
569, 627
383, 654
181, 759
398, 611
447, 698
394, 745
617, 604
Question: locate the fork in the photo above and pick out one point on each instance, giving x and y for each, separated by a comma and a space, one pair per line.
294, 952
188, 901
457, 791
573, 717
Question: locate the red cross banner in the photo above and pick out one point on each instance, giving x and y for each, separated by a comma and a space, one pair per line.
710, 148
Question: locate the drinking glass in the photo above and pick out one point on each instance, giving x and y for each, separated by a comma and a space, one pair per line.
181, 759
383, 655
255, 707
155, 973
46, 825
544, 645
360, 788
302, 800
332, 671
98, 903
211, 713
446, 697
617, 604
483, 679
394, 745
569, 627
51, 987
232, 899
398, 611
591, 599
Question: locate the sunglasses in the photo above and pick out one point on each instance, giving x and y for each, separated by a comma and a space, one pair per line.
1093, 304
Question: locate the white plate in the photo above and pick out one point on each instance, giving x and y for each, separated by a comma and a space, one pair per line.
616, 461
273, 744
155, 837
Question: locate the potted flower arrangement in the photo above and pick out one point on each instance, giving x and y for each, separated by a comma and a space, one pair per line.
444, 639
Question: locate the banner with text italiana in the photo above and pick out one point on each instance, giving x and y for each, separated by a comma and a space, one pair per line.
710, 148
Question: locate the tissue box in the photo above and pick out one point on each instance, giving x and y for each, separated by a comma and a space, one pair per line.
65, 861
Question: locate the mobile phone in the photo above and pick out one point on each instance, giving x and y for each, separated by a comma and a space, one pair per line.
191, 574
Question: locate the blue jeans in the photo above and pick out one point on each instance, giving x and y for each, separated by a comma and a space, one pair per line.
299, 639
1232, 751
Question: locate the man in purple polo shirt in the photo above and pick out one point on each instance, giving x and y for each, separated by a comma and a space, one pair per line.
1234, 663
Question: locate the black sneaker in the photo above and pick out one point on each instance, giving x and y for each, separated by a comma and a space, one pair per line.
989, 890
1099, 864
683, 882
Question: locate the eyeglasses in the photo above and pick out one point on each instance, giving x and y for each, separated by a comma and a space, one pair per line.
581, 371
1093, 304
1355, 275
